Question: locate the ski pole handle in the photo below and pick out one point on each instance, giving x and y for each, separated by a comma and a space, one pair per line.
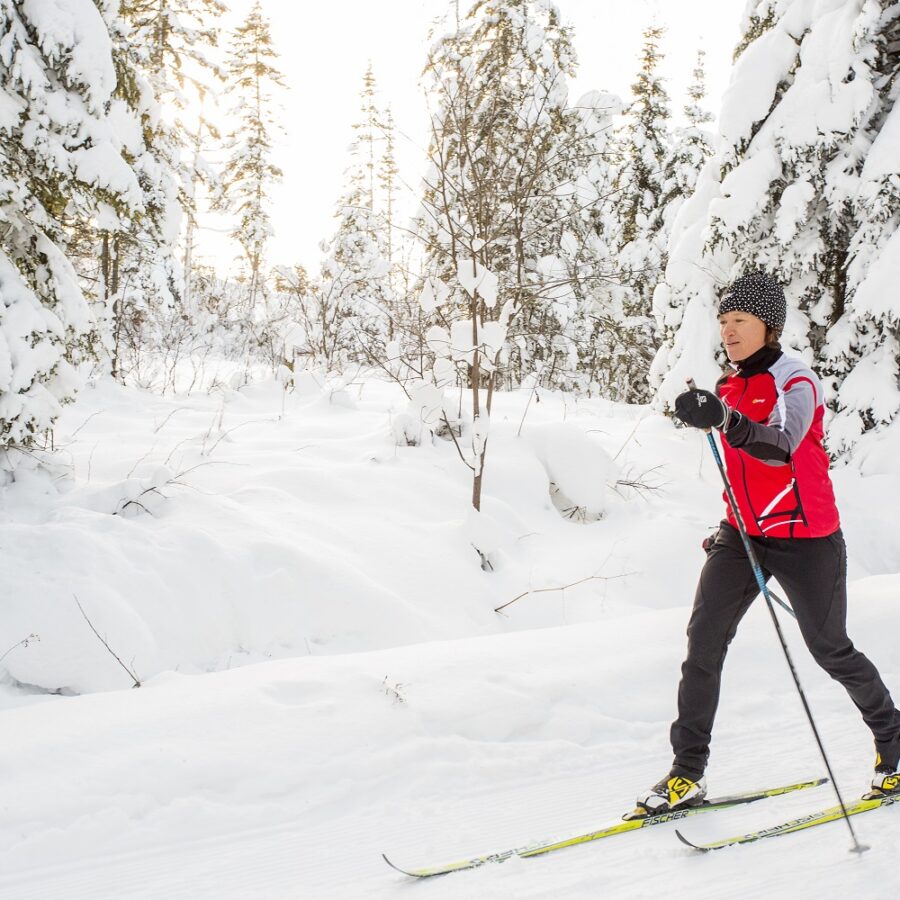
693, 386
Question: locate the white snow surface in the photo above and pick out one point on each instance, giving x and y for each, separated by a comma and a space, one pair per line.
325, 678
880, 282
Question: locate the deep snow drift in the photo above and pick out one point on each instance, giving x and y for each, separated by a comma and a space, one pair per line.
392, 709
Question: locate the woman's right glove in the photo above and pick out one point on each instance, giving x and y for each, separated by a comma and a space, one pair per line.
701, 409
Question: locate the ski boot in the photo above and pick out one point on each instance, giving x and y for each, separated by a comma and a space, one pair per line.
677, 790
886, 779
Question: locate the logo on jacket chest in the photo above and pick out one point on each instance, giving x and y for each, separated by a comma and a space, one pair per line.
755, 396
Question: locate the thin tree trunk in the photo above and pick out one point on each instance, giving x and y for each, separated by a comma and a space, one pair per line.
476, 397
109, 261
191, 224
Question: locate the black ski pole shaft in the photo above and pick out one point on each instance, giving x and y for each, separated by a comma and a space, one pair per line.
764, 590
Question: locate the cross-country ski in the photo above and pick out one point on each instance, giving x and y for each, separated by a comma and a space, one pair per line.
628, 825
810, 820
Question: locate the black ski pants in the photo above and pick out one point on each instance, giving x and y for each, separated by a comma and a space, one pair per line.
813, 574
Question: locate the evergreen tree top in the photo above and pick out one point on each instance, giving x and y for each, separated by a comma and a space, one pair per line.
648, 89
168, 31
693, 111
253, 52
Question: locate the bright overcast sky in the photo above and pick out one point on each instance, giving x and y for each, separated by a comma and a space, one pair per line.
325, 46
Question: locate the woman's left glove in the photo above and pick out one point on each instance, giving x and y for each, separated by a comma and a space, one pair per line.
702, 409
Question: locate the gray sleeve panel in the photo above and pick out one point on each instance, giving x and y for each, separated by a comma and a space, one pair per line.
775, 442
799, 393
794, 411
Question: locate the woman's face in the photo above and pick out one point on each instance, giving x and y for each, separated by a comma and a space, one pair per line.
742, 334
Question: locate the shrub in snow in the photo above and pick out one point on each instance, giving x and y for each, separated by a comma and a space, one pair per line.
131, 496
350, 299
422, 415
580, 472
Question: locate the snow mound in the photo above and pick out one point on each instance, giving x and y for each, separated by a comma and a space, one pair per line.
580, 471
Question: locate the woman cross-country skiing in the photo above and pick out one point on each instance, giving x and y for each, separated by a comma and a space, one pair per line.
768, 409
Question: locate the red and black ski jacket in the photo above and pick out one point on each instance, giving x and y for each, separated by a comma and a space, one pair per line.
774, 455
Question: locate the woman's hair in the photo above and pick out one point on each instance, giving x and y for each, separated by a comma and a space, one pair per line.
773, 337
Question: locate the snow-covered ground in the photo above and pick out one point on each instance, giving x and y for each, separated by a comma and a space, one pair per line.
325, 678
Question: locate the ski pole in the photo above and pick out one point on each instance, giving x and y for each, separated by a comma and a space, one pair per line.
783, 605
764, 590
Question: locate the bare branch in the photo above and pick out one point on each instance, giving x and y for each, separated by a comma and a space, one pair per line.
562, 588
23, 643
134, 678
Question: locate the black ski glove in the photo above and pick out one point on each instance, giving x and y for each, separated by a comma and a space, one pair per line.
703, 409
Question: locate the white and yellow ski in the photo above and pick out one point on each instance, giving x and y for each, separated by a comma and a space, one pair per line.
631, 824
822, 817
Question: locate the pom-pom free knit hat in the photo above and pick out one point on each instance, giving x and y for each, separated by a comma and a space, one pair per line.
759, 295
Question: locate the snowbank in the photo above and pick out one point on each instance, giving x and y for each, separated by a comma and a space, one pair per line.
206, 532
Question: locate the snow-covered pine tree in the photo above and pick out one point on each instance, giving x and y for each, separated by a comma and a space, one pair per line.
61, 166
645, 147
352, 295
177, 36
249, 173
601, 360
644, 140
139, 274
201, 176
862, 348
780, 208
173, 42
367, 137
692, 145
387, 180
406, 317
810, 90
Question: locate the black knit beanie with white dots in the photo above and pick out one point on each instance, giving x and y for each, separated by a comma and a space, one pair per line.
759, 295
